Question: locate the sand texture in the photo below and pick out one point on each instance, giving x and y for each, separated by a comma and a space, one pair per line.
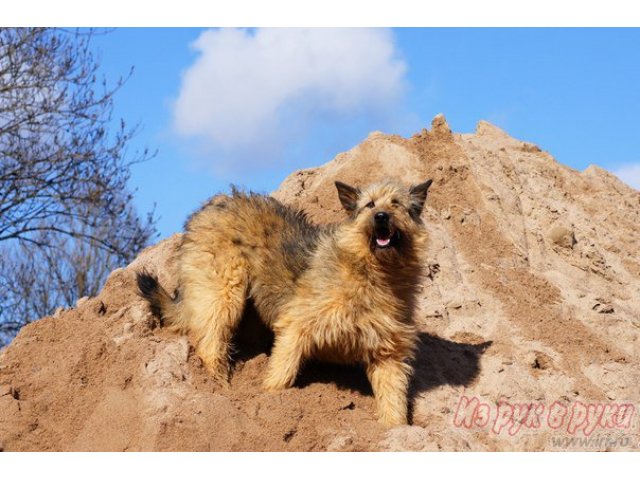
532, 297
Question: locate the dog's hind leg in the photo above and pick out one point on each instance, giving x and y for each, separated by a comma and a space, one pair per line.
213, 298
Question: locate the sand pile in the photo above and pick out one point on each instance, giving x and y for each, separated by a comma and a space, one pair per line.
530, 318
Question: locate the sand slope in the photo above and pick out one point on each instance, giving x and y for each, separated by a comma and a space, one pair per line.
532, 297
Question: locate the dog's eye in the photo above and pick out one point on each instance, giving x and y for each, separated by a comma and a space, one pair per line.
394, 201
370, 204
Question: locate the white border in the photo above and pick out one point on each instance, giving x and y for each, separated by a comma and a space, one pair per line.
316, 13
325, 13
409, 466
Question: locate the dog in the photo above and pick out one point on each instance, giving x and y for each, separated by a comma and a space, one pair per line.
342, 293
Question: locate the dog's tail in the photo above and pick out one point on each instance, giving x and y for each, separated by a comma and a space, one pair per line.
162, 304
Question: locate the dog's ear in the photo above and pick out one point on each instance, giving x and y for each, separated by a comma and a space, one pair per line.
418, 194
348, 196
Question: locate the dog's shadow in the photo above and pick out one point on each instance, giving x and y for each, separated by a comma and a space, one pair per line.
444, 362
438, 362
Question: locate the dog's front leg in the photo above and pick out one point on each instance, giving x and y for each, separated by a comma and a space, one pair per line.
390, 381
286, 357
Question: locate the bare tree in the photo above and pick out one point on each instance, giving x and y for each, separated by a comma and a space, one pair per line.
66, 214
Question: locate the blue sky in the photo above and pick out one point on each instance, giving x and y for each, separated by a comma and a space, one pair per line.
249, 107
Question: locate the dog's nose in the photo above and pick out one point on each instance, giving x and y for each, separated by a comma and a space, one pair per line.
381, 217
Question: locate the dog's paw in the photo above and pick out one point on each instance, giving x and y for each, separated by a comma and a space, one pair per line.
392, 419
218, 381
271, 384
221, 383
218, 375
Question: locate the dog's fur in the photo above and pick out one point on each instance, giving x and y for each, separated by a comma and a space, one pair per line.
337, 293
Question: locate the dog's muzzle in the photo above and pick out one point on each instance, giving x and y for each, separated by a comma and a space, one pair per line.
382, 231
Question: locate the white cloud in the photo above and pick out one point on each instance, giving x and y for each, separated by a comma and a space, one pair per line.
248, 86
629, 174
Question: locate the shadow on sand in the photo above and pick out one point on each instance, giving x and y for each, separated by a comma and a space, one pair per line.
438, 361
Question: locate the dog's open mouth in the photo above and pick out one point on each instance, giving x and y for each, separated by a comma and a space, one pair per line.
384, 238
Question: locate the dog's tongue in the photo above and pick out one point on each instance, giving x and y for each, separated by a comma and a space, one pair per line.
383, 242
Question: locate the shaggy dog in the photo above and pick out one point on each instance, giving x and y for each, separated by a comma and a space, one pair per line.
341, 293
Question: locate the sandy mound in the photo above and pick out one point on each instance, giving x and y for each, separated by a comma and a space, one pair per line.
530, 320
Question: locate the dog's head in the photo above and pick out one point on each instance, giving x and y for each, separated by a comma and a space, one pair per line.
387, 215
